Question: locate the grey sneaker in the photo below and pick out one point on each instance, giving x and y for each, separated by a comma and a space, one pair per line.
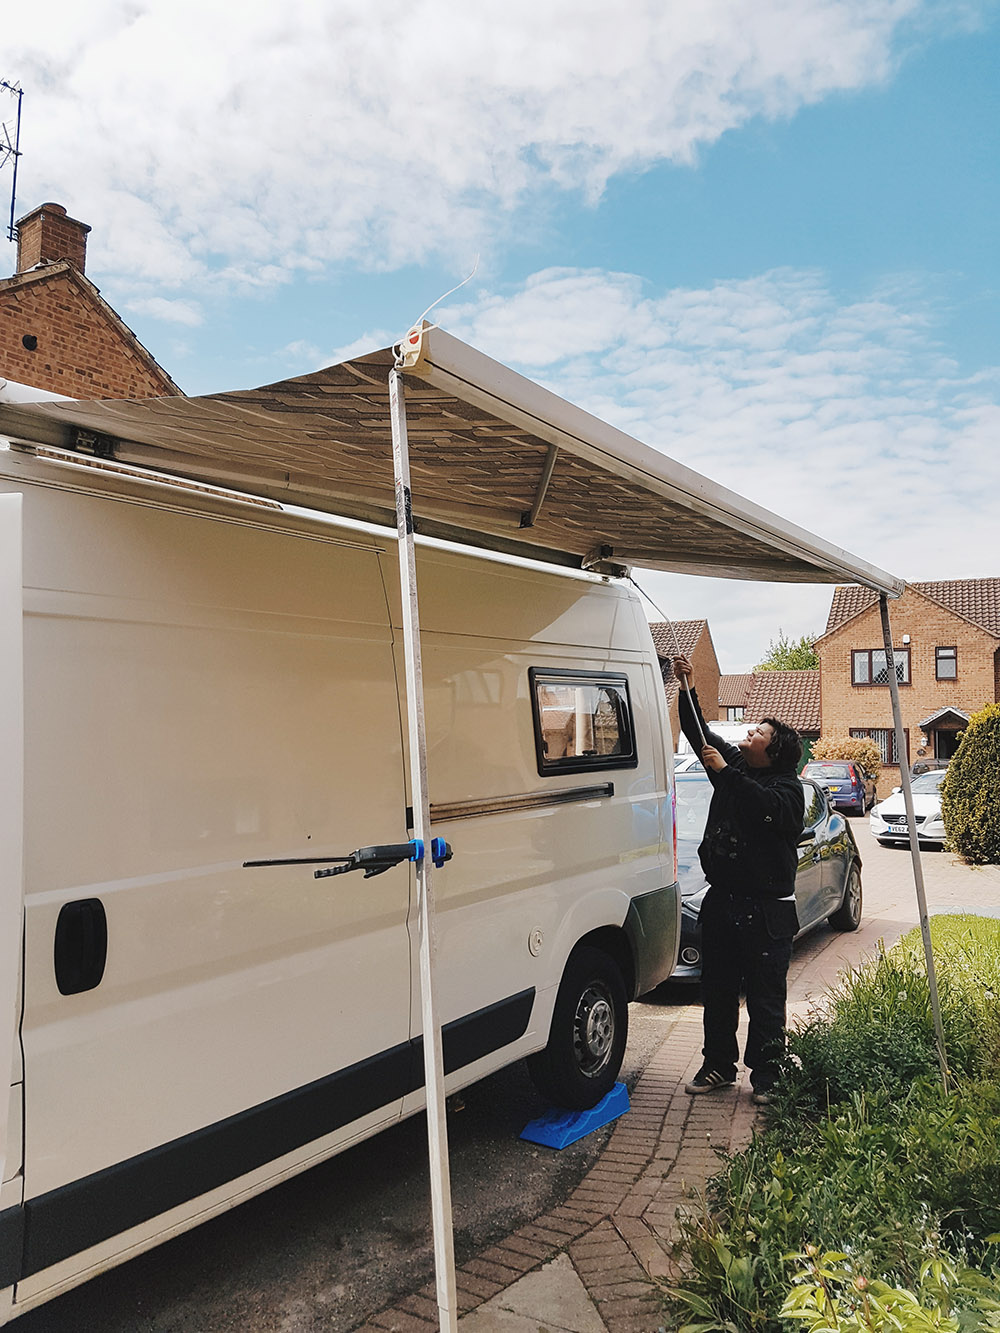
709, 1080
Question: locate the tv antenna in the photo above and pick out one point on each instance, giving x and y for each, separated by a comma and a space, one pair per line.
10, 149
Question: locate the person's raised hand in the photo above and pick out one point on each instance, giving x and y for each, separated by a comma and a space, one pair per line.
711, 758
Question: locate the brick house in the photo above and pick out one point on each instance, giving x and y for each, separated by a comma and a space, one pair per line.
694, 639
946, 642
56, 330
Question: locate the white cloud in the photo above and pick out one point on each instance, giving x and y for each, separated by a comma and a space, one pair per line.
171, 312
309, 133
847, 418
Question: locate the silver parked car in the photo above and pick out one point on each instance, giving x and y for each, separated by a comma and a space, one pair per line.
827, 883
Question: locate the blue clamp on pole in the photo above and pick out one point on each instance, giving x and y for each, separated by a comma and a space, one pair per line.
417, 854
440, 852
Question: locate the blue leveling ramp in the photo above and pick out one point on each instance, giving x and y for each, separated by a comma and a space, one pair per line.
559, 1128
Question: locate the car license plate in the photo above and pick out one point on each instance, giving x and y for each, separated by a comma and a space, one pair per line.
898, 828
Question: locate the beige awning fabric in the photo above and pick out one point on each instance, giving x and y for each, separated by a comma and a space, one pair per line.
496, 461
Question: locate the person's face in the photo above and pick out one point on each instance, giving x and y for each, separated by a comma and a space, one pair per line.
754, 748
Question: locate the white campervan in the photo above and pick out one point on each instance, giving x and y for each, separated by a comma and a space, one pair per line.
209, 683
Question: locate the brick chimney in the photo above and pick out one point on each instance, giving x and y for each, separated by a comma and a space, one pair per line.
46, 235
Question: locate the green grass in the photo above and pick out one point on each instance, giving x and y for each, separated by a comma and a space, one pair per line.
865, 1152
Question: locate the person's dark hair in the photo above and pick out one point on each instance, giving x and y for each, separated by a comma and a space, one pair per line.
785, 749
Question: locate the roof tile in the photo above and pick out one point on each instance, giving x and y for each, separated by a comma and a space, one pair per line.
733, 689
790, 696
687, 632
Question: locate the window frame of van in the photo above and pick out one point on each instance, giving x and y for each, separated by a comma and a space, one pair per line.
901, 658
628, 756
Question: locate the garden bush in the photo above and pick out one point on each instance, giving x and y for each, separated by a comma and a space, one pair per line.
860, 750
970, 793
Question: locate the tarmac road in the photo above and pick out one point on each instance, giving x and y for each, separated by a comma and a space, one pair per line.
327, 1249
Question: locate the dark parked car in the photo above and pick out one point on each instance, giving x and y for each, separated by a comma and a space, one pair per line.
929, 766
827, 883
850, 787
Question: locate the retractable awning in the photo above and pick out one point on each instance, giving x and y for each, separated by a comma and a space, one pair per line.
496, 461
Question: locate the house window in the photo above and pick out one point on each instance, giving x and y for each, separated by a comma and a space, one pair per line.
946, 663
583, 721
885, 739
868, 666
734, 714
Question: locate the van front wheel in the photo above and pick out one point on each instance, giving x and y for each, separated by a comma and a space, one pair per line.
586, 1045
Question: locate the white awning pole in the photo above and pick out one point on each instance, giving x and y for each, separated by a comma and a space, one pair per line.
437, 1131
911, 824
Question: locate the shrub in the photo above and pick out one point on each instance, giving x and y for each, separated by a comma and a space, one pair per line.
970, 793
876, 1030
860, 749
831, 1296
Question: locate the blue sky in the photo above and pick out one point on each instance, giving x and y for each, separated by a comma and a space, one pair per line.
760, 235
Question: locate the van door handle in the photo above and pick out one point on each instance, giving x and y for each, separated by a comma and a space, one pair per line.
81, 946
372, 860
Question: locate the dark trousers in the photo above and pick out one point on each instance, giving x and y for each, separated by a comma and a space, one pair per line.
746, 947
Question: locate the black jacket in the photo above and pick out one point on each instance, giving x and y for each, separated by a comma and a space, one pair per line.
750, 847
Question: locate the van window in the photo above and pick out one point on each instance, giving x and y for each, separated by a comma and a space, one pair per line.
583, 720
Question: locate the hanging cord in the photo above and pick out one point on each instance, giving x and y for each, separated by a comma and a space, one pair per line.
416, 329
677, 650
444, 297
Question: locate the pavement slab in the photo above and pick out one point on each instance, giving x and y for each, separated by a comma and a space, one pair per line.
551, 1300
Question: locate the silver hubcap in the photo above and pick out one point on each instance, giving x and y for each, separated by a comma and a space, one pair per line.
854, 896
593, 1030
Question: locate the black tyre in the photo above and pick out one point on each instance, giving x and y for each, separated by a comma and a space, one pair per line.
848, 914
586, 1045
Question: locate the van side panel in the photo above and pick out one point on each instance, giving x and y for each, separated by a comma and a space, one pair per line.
526, 885
200, 693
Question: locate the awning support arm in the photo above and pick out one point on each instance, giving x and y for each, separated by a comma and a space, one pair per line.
529, 518
911, 824
437, 1130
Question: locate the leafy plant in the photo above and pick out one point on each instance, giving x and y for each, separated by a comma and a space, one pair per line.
970, 793
784, 654
859, 749
830, 1296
